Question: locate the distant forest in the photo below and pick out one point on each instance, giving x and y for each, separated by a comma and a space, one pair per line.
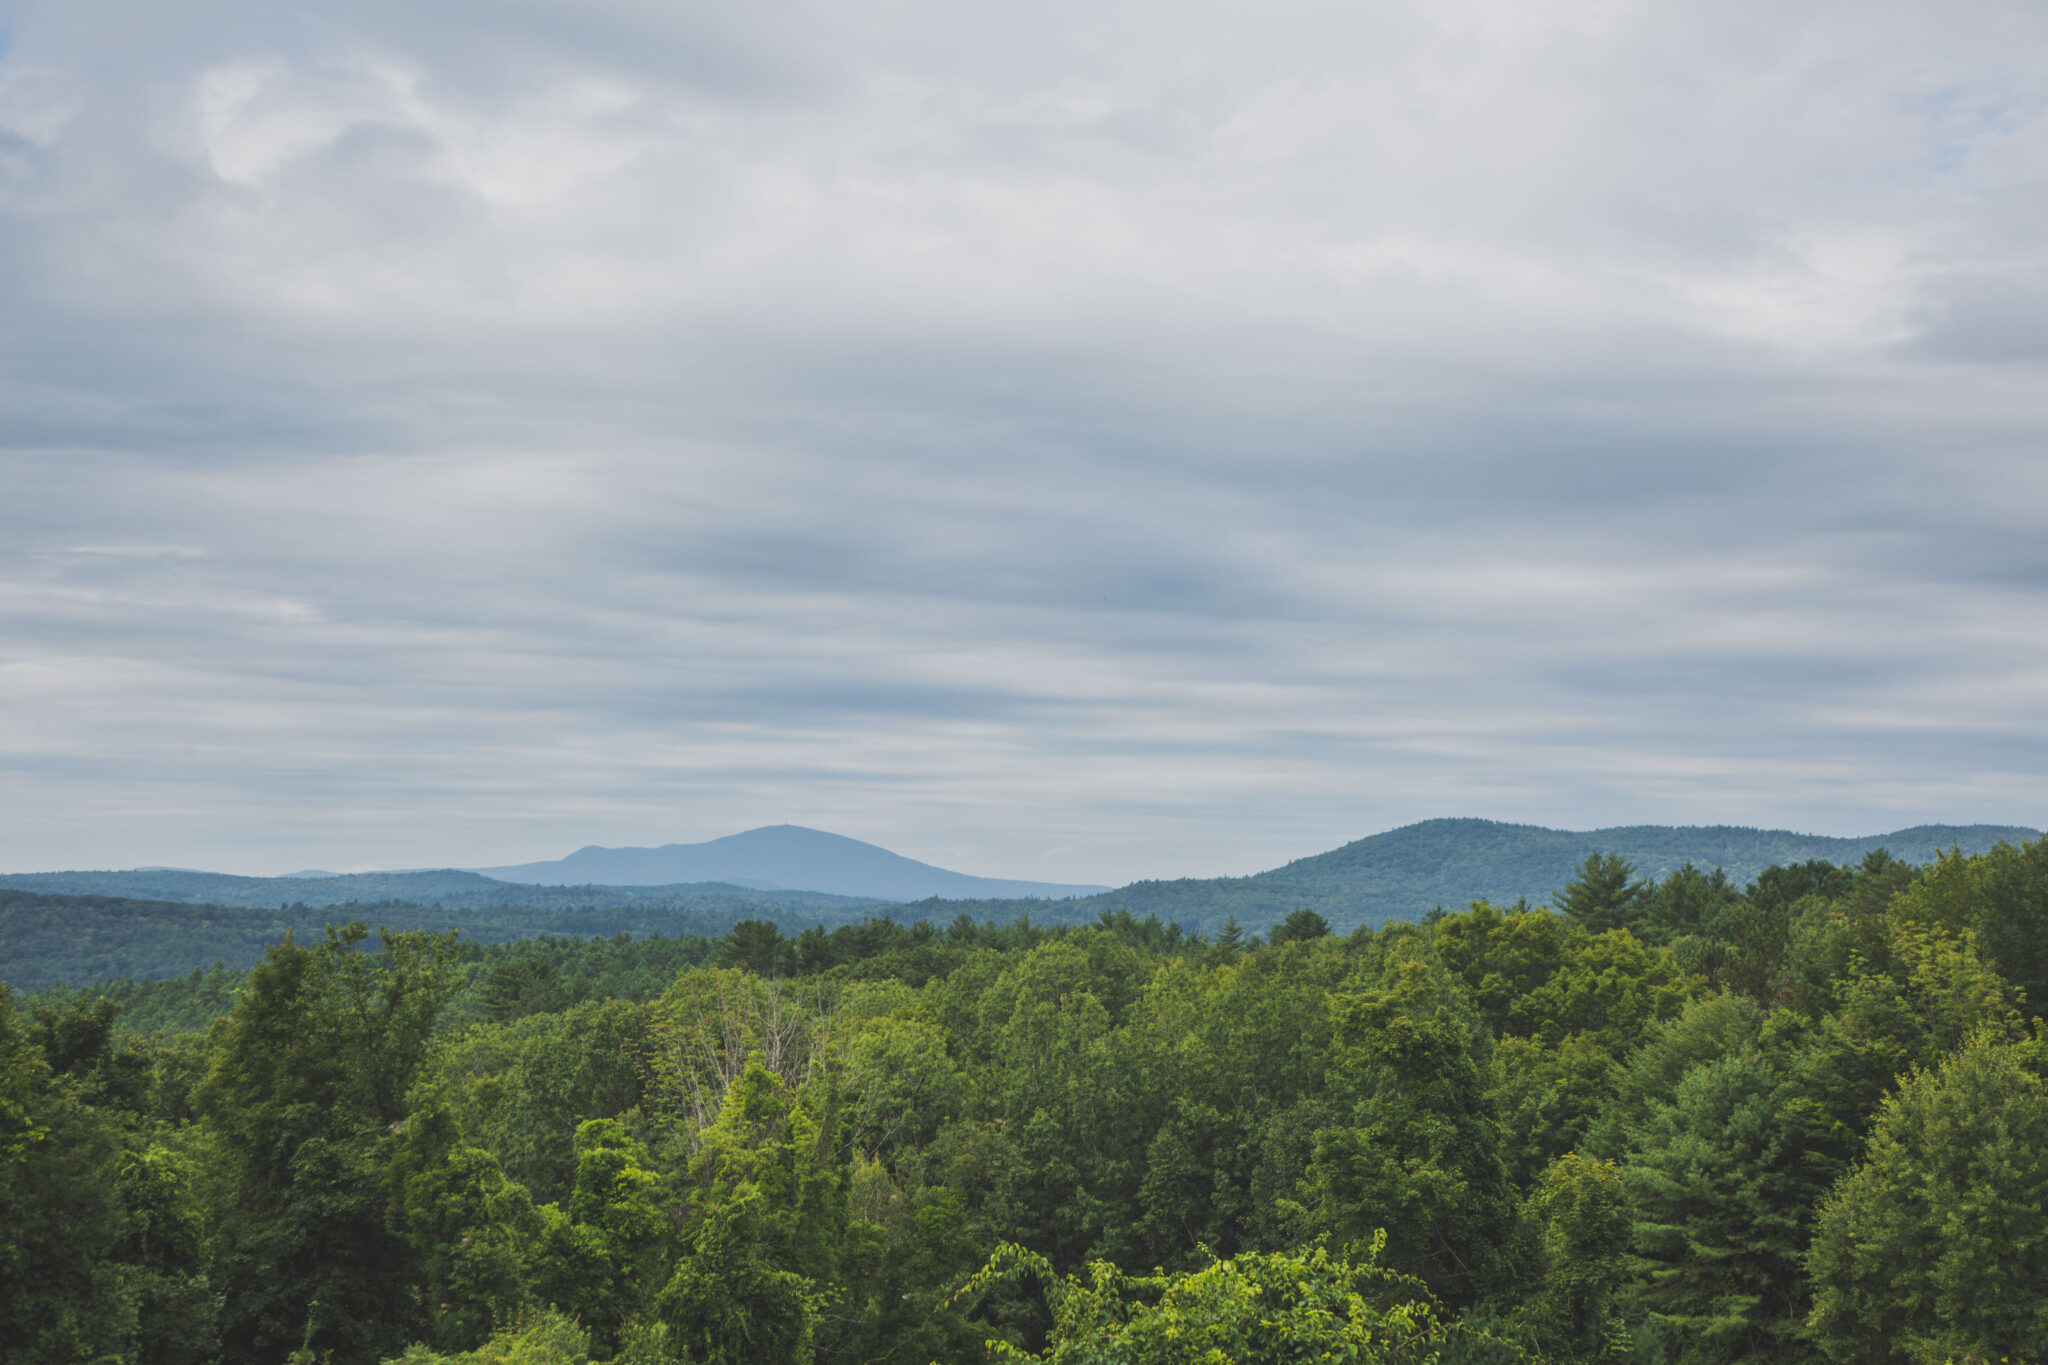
1405, 873
71, 928
1668, 1119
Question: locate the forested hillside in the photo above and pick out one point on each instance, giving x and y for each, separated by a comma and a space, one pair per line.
448, 889
72, 940
1405, 873
1401, 874
1669, 1121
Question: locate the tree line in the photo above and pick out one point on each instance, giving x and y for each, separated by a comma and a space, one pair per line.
1660, 1121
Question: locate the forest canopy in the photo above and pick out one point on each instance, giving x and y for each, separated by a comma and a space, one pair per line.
1662, 1120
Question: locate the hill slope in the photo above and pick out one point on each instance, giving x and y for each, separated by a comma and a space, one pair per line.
163, 922
1404, 872
58, 940
780, 856
447, 888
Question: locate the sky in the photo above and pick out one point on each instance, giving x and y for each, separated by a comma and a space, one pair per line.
1072, 441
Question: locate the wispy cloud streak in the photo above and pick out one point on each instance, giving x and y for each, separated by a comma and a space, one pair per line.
1178, 438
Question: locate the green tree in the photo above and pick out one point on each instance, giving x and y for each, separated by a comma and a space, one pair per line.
1546, 1097
1709, 1028
100, 1253
1569, 1004
766, 1227
63, 1294
1254, 1309
527, 984
519, 1089
1687, 903
1936, 1247
1745, 946
1605, 894
1417, 1149
1074, 1108
1608, 987
469, 1226
1582, 1211
162, 1249
1501, 957
1300, 926
307, 1080
544, 1338
1723, 1194
604, 1255
1235, 1055
757, 946
2001, 896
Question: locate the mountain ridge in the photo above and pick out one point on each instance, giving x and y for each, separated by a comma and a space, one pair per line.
164, 915
782, 857
1403, 873
451, 888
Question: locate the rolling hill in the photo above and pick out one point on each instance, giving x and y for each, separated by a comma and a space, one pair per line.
72, 927
447, 888
1404, 872
781, 856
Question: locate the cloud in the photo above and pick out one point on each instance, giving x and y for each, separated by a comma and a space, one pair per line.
1181, 438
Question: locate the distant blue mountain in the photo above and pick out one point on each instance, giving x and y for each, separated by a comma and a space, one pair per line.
366, 892
1404, 872
780, 857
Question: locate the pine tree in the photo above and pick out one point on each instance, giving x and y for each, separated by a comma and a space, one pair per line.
1605, 894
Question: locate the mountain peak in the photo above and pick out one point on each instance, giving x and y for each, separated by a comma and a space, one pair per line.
779, 857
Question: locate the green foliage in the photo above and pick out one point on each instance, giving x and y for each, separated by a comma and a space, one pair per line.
767, 1225
1254, 1309
62, 1295
1300, 926
1416, 1150
1605, 894
1592, 1143
1723, 1197
99, 1228
1235, 1055
1708, 1028
65, 940
1500, 957
1687, 903
1585, 1222
2000, 896
1533, 977
601, 1257
1936, 1246
469, 1227
545, 1338
519, 1089
309, 1077
1402, 873
756, 945
1065, 1169
1568, 1004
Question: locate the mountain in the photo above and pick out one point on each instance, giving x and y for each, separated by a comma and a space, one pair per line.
1404, 872
785, 856
72, 927
448, 889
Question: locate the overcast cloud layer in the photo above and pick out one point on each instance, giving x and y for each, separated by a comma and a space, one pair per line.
1077, 441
